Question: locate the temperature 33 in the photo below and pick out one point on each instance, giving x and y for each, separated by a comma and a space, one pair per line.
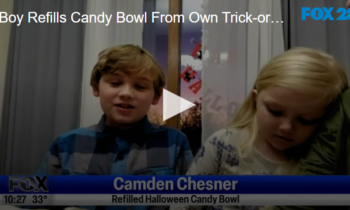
39, 198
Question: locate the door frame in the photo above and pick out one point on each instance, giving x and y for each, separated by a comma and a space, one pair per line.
174, 58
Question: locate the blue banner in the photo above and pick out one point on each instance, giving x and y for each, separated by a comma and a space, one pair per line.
175, 184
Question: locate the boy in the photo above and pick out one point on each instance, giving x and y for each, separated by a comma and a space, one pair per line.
127, 80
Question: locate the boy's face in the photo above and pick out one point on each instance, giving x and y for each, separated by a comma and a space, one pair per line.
125, 99
287, 118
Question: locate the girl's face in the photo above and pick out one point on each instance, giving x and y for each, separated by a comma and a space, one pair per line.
287, 118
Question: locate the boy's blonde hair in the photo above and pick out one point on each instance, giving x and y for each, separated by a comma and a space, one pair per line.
130, 59
296, 69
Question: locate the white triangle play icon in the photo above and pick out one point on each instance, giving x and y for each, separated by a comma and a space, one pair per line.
173, 104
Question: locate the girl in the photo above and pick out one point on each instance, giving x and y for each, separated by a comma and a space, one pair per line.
270, 131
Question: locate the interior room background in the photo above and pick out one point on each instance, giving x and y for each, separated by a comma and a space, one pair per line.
45, 68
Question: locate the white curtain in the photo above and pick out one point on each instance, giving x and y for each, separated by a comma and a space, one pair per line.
233, 54
5, 29
98, 36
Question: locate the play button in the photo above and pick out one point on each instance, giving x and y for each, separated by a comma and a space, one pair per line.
173, 104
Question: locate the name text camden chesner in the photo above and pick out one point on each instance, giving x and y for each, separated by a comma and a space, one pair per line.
122, 17
183, 183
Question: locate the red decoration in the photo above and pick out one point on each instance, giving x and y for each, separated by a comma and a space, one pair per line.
189, 74
196, 87
196, 53
188, 69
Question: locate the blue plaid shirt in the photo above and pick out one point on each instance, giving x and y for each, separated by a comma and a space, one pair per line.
146, 149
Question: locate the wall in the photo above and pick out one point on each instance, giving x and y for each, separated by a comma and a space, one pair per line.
6, 6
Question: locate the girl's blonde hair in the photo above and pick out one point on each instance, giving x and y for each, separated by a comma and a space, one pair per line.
296, 69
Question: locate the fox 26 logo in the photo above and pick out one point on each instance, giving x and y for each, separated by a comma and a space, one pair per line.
324, 13
27, 184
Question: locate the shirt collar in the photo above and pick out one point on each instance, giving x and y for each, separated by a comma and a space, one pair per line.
134, 134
